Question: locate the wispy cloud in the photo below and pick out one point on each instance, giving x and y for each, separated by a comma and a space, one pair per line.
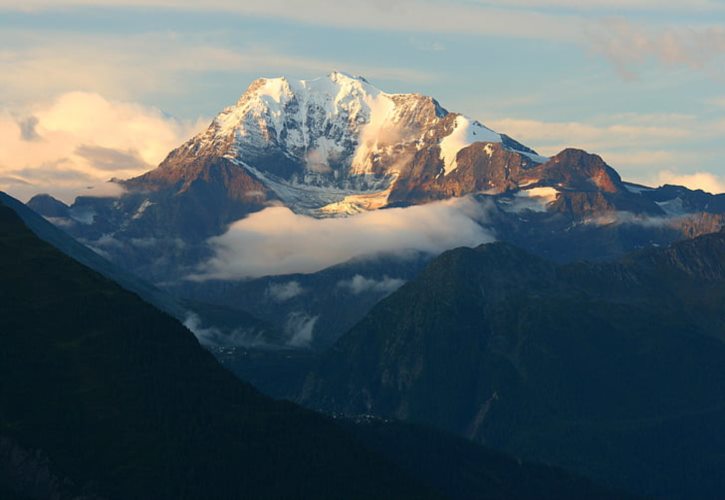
629, 46
601, 135
613, 5
718, 102
128, 67
403, 15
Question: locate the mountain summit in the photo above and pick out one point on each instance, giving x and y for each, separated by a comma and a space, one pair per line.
339, 144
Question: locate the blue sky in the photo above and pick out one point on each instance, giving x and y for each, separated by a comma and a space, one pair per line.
641, 82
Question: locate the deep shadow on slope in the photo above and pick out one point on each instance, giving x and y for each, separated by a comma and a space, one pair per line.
124, 401
613, 370
103, 396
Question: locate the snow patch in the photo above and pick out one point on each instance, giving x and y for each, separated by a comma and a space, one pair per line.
141, 209
465, 132
357, 203
535, 199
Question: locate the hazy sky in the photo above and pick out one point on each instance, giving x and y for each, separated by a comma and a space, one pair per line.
95, 89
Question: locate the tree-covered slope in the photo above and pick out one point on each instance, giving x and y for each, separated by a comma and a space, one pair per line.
614, 370
102, 396
120, 401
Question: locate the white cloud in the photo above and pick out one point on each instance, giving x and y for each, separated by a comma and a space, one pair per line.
277, 241
699, 180
82, 139
360, 284
300, 329
127, 67
282, 292
212, 336
630, 218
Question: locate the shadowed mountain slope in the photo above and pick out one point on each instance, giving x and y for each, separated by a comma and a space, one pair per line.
104, 396
613, 370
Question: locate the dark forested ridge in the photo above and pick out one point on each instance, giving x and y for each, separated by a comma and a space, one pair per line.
103, 396
121, 400
614, 370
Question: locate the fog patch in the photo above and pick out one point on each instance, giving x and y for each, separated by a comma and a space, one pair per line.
622, 217
149, 242
360, 284
282, 292
319, 158
107, 241
215, 337
300, 329
60, 221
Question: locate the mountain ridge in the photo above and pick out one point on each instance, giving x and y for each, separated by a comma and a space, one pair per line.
103, 396
596, 367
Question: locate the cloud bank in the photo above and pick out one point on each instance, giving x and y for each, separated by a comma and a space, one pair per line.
277, 241
698, 180
81, 140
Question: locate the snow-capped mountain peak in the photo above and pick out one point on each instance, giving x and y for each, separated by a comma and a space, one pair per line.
337, 138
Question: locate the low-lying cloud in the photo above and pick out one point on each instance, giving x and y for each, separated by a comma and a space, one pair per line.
282, 292
278, 241
211, 336
630, 218
360, 284
300, 329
